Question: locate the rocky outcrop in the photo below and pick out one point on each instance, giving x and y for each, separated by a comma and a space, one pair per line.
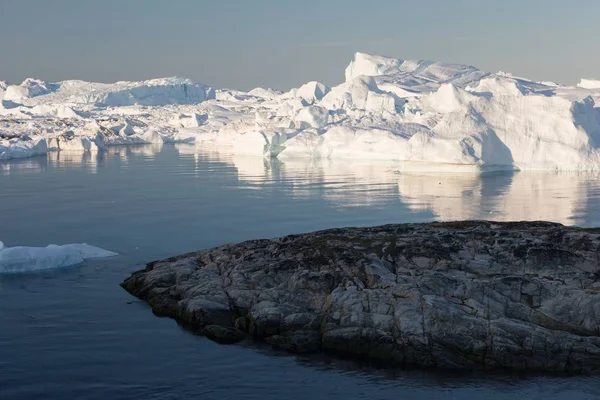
523, 295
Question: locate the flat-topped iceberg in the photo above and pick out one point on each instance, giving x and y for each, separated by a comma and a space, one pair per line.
155, 92
422, 114
23, 259
589, 84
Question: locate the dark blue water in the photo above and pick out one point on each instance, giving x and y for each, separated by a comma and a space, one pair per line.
75, 334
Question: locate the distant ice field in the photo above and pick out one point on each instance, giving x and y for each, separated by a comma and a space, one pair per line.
447, 117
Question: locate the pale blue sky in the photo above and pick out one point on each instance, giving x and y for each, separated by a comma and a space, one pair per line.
284, 43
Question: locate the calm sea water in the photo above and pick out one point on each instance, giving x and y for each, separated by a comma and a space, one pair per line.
75, 334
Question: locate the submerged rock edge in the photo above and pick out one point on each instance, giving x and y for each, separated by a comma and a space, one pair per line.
470, 294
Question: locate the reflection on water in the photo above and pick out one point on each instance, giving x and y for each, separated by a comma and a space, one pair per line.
559, 197
529, 195
568, 198
74, 333
88, 161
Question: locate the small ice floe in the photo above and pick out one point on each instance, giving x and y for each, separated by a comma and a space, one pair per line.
21, 259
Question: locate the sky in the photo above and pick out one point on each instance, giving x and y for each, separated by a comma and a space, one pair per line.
242, 44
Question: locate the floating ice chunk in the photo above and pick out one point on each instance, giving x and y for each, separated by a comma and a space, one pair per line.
60, 111
392, 109
308, 143
16, 148
312, 91
193, 120
122, 127
267, 93
27, 259
155, 92
182, 136
15, 93
148, 137
369, 65
312, 116
549, 84
29, 88
589, 84
259, 143
309, 93
69, 142
290, 107
127, 129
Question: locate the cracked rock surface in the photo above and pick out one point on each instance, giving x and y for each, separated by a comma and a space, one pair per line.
477, 294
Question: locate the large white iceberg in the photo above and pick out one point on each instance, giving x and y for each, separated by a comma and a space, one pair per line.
424, 115
22, 259
155, 92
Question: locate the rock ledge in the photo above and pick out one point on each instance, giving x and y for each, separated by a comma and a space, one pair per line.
474, 294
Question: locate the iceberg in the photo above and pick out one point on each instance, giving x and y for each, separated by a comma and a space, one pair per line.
22, 259
15, 148
154, 92
28, 89
589, 84
427, 115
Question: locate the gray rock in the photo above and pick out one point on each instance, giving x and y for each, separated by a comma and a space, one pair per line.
224, 334
522, 295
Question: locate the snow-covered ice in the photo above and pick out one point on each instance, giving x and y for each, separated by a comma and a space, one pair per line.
22, 259
423, 115
22, 148
589, 84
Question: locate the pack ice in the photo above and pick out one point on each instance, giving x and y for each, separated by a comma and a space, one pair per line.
422, 115
23, 259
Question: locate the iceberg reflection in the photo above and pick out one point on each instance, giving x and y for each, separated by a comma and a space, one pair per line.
86, 159
520, 196
554, 196
33, 164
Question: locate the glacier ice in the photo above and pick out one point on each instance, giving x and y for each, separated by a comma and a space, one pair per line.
589, 84
23, 259
155, 92
22, 148
310, 92
424, 115
312, 116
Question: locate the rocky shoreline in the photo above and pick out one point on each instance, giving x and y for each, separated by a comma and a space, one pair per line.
472, 295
